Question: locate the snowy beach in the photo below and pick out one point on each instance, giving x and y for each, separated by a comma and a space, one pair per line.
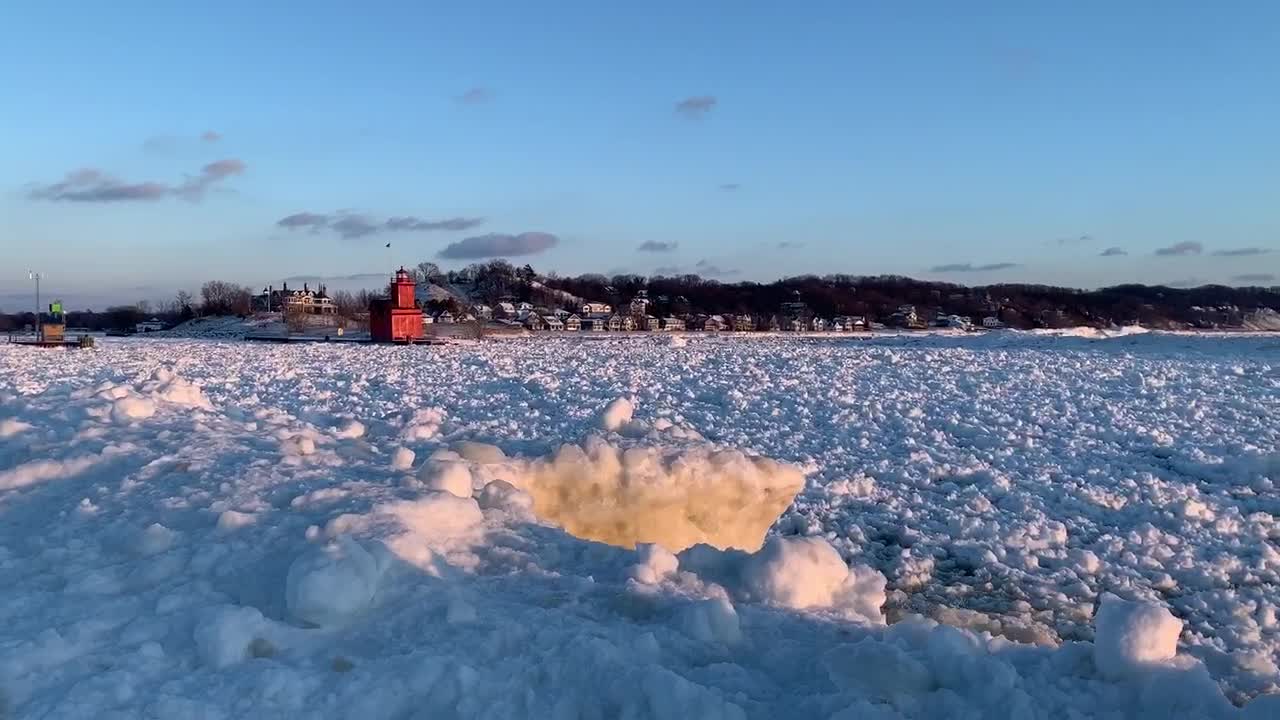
1005, 525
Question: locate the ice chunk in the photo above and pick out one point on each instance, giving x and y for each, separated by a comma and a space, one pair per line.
677, 497
808, 573
437, 515
616, 414
132, 407
155, 539
402, 458
501, 494
447, 476
1131, 635
350, 430
234, 520
480, 453
10, 427
328, 585
656, 563
712, 621
224, 636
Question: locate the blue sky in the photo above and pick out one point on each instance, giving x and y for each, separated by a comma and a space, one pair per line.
976, 142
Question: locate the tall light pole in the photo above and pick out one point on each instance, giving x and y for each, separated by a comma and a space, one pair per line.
33, 275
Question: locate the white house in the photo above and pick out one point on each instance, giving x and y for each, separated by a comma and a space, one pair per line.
552, 322
483, 311
672, 323
593, 308
991, 322
146, 326
819, 325
573, 323
444, 318
507, 309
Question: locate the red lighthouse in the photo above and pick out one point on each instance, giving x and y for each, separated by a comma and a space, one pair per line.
396, 319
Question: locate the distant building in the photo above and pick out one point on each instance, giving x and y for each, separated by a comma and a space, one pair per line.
573, 323
650, 323
640, 303
483, 311
743, 323
715, 323
593, 308
991, 322
819, 325
534, 322
146, 326
552, 322
396, 318
444, 318
507, 309
672, 323
312, 302
594, 324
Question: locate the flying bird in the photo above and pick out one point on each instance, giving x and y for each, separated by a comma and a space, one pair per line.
388, 244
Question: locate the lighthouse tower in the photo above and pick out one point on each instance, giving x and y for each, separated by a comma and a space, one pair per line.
396, 319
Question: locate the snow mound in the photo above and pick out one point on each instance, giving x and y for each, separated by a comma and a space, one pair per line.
676, 497
616, 414
402, 458
350, 430
502, 495
424, 424
713, 620
800, 573
167, 386
1132, 636
228, 635
10, 427
447, 476
329, 585
655, 563
131, 407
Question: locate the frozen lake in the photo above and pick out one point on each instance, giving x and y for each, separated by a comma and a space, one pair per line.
220, 529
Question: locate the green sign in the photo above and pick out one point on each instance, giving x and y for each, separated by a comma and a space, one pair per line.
56, 308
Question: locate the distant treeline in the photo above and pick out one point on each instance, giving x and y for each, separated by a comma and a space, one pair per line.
876, 298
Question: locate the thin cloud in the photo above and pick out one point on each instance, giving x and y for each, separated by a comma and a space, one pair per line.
730, 187
211, 136
970, 267
89, 185
499, 245
1182, 248
668, 270
1077, 240
1241, 252
790, 245
314, 221
657, 246
415, 224
696, 107
1255, 278
210, 175
475, 96
356, 277
1113, 252
352, 225
1186, 283
706, 267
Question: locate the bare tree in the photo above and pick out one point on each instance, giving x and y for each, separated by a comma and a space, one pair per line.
224, 298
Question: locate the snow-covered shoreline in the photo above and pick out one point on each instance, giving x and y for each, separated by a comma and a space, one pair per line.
221, 529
